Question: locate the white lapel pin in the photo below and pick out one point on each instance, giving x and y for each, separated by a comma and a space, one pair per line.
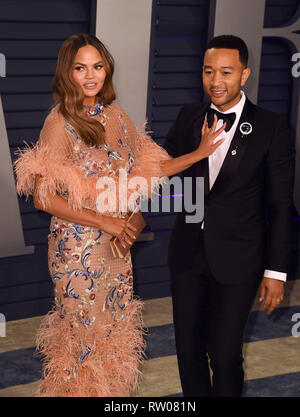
246, 128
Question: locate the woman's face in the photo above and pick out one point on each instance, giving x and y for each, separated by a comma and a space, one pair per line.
89, 73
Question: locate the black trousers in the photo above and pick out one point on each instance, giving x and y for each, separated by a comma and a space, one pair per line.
209, 320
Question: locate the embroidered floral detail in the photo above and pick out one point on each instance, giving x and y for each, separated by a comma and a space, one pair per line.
65, 234
69, 128
103, 118
122, 288
88, 159
111, 155
87, 351
130, 162
123, 126
60, 306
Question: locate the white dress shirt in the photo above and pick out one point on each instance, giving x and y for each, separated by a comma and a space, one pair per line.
216, 160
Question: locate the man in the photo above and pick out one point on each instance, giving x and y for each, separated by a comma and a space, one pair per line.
216, 266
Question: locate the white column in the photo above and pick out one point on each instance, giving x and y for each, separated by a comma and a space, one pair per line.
289, 32
11, 231
124, 26
245, 19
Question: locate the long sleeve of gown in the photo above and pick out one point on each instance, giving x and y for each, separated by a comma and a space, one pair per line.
71, 169
52, 158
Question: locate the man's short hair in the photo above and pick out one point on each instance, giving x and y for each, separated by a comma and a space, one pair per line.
230, 42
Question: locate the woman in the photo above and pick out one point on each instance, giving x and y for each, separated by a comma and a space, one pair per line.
92, 340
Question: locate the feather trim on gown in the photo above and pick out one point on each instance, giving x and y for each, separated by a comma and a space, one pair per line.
92, 341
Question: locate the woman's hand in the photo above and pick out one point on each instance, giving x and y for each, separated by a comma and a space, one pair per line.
120, 228
207, 145
58, 206
206, 148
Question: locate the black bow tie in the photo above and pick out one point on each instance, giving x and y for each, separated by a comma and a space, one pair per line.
229, 118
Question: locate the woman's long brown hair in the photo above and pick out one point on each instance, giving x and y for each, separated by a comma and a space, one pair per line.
69, 95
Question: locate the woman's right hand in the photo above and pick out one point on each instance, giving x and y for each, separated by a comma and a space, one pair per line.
208, 135
118, 227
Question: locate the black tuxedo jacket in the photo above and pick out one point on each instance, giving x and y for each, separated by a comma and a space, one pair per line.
248, 211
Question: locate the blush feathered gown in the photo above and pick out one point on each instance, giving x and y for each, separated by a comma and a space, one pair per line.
92, 341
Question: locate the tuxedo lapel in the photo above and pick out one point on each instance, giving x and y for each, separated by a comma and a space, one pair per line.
201, 167
237, 148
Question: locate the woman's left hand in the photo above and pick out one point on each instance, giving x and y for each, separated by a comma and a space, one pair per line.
208, 135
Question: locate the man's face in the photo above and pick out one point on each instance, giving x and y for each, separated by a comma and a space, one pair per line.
223, 76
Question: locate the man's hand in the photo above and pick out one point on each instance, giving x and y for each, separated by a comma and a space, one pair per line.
271, 292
